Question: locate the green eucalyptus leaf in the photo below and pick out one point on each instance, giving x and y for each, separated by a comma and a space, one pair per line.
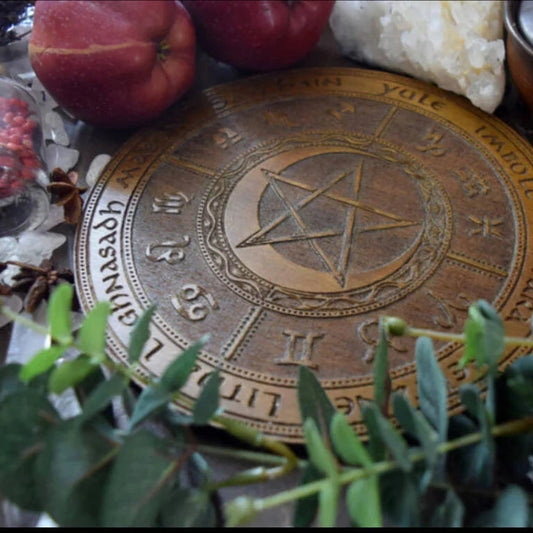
70, 373
207, 403
140, 481
395, 443
199, 471
511, 510
473, 464
328, 498
84, 389
416, 425
392, 439
319, 453
102, 395
150, 401
313, 401
493, 335
305, 509
177, 373
376, 446
185, 507
480, 467
70, 473
364, 502
41, 362
9, 380
484, 336
92, 334
473, 330
516, 388
26, 417
404, 413
471, 397
431, 386
449, 513
347, 444
400, 499
140, 335
59, 314
382, 383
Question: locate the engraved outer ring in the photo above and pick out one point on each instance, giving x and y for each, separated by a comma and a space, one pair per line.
147, 236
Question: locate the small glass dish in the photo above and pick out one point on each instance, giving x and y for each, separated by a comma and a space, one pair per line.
24, 200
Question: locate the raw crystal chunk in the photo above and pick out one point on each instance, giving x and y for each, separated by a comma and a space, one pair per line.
457, 45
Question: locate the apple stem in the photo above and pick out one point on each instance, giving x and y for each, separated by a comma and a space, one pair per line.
163, 49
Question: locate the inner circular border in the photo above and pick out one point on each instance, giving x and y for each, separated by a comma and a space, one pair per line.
248, 285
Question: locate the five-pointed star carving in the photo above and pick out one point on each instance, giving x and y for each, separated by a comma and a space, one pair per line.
348, 233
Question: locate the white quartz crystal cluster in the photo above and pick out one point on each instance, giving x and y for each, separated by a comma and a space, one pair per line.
457, 45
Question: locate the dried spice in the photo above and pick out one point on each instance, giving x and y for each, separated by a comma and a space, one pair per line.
66, 193
35, 281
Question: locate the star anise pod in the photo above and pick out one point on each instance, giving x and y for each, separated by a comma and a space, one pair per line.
65, 192
37, 281
5, 289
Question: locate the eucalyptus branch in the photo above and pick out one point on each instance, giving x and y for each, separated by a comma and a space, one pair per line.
23, 320
350, 475
257, 439
460, 337
246, 455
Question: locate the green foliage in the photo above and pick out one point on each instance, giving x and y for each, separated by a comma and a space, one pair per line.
141, 477
26, 418
305, 509
58, 314
414, 467
313, 401
157, 395
382, 383
347, 444
91, 338
139, 335
431, 386
41, 362
484, 336
364, 502
70, 373
207, 403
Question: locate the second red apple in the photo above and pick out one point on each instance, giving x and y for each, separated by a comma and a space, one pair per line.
259, 35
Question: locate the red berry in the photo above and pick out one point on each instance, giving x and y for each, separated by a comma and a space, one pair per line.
31, 162
27, 173
7, 161
29, 125
18, 120
12, 146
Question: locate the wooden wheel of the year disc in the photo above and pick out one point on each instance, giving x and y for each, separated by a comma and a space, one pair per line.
285, 213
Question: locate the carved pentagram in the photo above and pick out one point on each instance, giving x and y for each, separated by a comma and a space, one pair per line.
312, 266
292, 215
285, 234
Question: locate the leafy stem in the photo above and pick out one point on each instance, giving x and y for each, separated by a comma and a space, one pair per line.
24, 321
461, 337
513, 427
256, 439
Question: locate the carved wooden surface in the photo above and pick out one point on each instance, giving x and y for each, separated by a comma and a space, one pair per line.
284, 214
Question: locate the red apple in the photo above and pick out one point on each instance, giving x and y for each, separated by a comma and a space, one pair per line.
113, 63
259, 35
